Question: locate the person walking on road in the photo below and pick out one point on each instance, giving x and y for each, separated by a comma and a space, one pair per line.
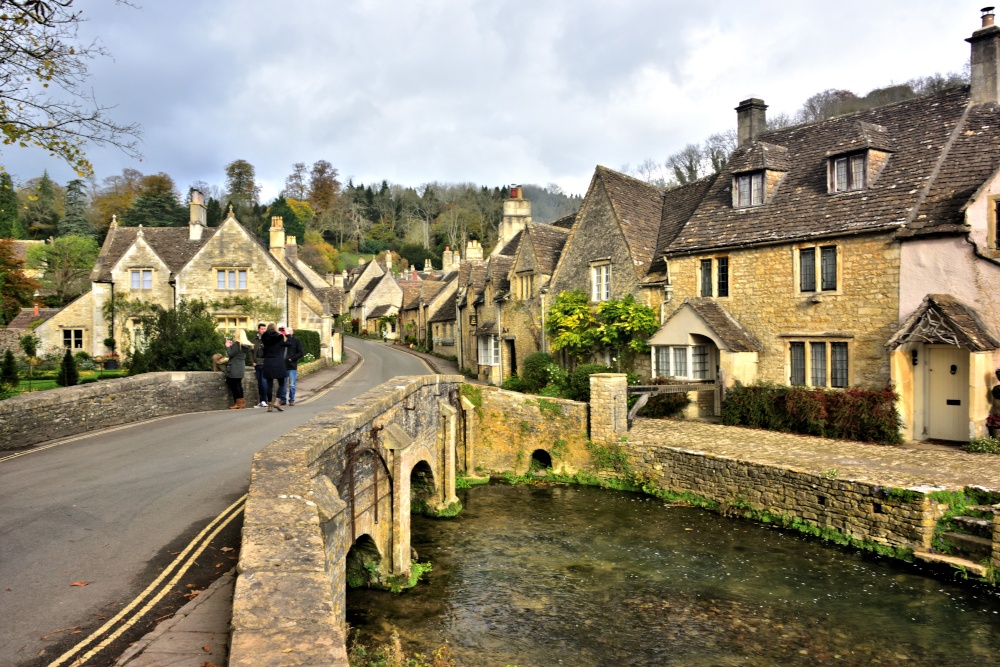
292, 356
274, 364
258, 366
237, 350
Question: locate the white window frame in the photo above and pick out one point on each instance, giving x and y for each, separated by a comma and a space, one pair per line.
686, 355
600, 282
141, 279
231, 279
488, 350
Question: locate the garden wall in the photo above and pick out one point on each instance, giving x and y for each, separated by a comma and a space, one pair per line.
28, 419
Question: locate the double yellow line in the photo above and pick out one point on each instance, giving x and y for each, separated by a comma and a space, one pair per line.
125, 619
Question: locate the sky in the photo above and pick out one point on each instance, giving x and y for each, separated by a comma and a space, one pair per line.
491, 92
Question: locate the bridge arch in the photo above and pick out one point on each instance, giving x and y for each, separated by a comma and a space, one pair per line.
540, 459
363, 563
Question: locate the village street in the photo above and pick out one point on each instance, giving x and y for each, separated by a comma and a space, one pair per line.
108, 510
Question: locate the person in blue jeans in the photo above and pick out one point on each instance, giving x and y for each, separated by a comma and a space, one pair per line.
258, 366
292, 356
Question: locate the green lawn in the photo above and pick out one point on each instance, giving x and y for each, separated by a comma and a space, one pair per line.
48, 382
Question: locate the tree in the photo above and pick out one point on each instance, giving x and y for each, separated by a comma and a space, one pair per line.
179, 339
10, 225
625, 326
16, 289
68, 375
75, 222
687, 164
66, 263
244, 193
29, 343
295, 183
155, 210
40, 211
8, 374
289, 220
323, 186
44, 97
571, 325
114, 198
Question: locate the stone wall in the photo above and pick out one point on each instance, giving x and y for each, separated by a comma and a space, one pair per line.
860, 510
57, 413
504, 428
300, 520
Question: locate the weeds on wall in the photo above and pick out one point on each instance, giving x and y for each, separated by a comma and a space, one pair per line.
391, 654
867, 415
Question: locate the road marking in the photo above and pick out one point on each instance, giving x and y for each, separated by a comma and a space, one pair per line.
183, 561
333, 385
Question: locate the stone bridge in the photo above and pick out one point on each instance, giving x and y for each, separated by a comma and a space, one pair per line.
342, 481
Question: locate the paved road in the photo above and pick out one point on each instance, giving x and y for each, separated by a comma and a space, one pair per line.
105, 508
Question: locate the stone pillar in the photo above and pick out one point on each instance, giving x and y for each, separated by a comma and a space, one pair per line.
449, 419
337, 346
399, 442
469, 410
995, 555
608, 407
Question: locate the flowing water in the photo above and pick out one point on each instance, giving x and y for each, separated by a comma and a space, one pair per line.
538, 576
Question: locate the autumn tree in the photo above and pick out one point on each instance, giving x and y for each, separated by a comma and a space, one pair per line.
295, 183
113, 198
323, 186
16, 289
242, 188
10, 224
45, 100
75, 222
155, 204
65, 263
289, 220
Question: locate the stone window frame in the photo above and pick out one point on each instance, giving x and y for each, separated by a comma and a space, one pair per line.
525, 284
851, 171
993, 224
223, 323
716, 277
818, 288
75, 337
138, 278
600, 280
756, 189
827, 341
241, 275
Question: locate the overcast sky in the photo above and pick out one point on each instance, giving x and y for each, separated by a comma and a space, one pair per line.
483, 91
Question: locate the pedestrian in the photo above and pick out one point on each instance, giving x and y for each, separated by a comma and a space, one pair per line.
274, 365
237, 350
258, 366
294, 353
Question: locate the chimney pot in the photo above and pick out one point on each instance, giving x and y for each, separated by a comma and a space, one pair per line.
988, 16
985, 61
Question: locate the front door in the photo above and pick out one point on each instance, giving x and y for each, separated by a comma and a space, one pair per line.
948, 393
512, 356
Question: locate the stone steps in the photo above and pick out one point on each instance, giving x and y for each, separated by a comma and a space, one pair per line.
971, 546
976, 569
975, 526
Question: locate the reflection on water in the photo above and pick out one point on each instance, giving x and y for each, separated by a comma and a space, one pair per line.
538, 576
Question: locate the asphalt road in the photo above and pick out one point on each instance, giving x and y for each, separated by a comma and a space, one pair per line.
105, 509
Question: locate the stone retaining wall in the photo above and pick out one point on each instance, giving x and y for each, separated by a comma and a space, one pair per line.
861, 510
288, 604
27, 419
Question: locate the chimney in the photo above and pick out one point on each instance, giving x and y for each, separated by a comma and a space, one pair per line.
751, 120
277, 237
427, 264
291, 249
361, 261
985, 61
473, 251
388, 261
516, 214
199, 216
36, 309
338, 280
446, 259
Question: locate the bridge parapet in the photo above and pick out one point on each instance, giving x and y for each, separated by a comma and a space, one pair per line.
315, 491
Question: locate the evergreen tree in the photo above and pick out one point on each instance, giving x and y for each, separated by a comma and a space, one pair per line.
40, 217
75, 221
8, 374
155, 210
68, 375
213, 212
289, 220
181, 339
9, 224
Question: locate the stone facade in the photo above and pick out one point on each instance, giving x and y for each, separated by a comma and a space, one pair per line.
608, 407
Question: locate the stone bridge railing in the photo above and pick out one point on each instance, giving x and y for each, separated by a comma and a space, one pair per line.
313, 493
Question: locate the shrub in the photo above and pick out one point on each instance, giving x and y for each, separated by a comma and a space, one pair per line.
868, 415
534, 372
514, 383
84, 362
180, 339
68, 375
986, 445
578, 385
310, 341
8, 374
664, 405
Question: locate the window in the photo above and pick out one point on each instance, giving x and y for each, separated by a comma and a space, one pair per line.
489, 350
675, 360
600, 282
526, 286
142, 279
231, 279
719, 279
848, 172
818, 363
139, 338
73, 338
826, 270
750, 189
229, 325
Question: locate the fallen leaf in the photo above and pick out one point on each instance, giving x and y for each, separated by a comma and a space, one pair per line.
219, 564
190, 595
76, 632
79, 583
206, 649
287, 650
226, 549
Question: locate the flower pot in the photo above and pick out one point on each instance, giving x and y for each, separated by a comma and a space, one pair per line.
110, 364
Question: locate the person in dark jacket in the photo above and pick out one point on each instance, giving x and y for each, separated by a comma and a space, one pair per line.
237, 350
258, 366
295, 352
274, 364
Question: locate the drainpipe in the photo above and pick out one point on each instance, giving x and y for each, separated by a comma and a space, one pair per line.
112, 334
286, 305
545, 340
503, 341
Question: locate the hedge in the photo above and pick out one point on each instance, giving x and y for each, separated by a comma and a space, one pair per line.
868, 415
310, 341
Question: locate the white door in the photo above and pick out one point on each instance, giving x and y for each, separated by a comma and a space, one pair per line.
948, 393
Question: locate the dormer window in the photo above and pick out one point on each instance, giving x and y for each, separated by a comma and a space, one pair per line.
849, 172
750, 189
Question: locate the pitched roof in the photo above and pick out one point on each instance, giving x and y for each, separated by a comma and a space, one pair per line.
548, 242
565, 222
379, 311
678, 205
411, 293
731, 332
333, 297
499, 273
639, 207
171, 244
943, 319
27, 317
921, 131
759, 155
445, 313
